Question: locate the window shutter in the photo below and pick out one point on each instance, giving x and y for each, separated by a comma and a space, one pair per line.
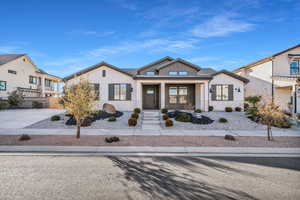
128, 92
110, 92
230, 91
213, 92
97, 90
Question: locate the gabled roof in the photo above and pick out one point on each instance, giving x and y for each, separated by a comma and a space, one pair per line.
181, 61
266, 59
245, 80
206, 71
5, 58
167, 58
101, 64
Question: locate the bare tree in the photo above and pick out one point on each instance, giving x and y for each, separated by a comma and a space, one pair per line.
79, 101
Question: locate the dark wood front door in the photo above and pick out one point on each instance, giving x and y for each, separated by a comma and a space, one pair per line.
150, 96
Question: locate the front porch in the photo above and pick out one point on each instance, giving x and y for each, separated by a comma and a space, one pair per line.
172, 94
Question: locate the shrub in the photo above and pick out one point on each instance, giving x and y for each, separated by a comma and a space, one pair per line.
252, 111
246, 106
112, 139
253, 100
3, 104
55, 118
165, 117
137, 110
15, 99
86, 122
183, 117
36, 104
229, 137
298, 116
24, 137
169, 123
238, 109
198, 111
223, 120
135, 115
210, 108
164, 110
132, 122
228, 109
112, 119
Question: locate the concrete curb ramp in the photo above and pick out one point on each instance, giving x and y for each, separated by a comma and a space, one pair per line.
159, 151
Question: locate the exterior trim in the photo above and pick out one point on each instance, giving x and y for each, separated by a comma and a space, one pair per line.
172, 77
155, 62
182, 61
245, 80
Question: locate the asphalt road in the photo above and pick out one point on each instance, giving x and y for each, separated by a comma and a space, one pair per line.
122, 178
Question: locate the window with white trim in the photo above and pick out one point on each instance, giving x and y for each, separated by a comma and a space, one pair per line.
294, 67
2, 85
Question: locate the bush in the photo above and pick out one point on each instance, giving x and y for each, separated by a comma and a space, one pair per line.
198, 111
137, 110
253, 100
55, 118
238, 109
246, 106
164, 110
229, 137
228, 109
3, 104
223, 120
183, 117
298, 115
112, 139
36, 104
165, 117
24, 137
112, 119
15, 99
169, 123
132, 122
86, 122
252, 111
135, 115
210, 108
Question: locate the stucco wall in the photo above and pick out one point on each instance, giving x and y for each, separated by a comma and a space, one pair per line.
282, 96
112, 76
23, 68
238, 97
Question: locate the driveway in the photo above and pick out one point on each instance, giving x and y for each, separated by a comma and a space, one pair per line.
20, 118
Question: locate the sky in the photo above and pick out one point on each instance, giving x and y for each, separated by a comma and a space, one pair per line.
64, 36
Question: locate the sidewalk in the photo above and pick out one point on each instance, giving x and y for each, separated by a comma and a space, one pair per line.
163, 132
159, 151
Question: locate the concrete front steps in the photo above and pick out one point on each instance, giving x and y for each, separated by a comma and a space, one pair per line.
151, 120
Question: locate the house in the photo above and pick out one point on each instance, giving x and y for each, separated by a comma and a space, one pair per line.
18, 72
276, 77
166, 83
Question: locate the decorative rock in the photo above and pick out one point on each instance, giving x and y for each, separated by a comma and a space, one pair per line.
109, 108
229, 137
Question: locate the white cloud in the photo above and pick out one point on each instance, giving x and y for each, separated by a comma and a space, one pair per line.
91, 33
221, 25
126, 4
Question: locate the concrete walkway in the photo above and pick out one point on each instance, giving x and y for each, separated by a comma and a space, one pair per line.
161, 151
164, 132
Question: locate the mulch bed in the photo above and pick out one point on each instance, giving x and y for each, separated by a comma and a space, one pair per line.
212, 141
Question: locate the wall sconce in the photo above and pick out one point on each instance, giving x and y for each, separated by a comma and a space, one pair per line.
210, 90
237, 89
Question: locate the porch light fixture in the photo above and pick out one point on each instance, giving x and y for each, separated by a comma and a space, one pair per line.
237, 89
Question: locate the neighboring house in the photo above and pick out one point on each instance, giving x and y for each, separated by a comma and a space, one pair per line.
166, 83
18, 72
276, 78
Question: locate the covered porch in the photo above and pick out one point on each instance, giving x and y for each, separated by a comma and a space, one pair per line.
172, 94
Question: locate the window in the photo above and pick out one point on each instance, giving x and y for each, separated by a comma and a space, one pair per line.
178, 95
2, 85
12, 71
150, 73
48, 83
173, 73
32, 79
222, 92
183, 73
119, 92
294, 67
103, 73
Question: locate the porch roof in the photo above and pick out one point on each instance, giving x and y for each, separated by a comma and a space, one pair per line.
199, 77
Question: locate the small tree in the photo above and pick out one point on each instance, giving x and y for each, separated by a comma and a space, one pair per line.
79, 101
15, 98
253, 100
269, 115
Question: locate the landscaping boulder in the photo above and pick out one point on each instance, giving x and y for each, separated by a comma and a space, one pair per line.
109, 108
202, 120
229, 137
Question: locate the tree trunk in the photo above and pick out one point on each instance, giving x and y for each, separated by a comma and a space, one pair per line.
78, 129
269, 132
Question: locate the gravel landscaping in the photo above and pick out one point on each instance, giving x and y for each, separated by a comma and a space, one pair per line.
236, 121
70, 140
120, 123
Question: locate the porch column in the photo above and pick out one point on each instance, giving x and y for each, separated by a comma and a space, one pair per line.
198, 96
162, 95
43, 86
139, 96
205, 99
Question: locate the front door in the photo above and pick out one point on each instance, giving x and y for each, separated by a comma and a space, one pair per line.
150, 97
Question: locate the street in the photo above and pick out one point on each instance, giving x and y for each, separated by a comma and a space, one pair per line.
180, 178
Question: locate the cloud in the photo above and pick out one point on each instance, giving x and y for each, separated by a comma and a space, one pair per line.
221, 25
9, 49
126, 4
91, 33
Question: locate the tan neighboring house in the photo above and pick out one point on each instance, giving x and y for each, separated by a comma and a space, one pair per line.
276, 77
165, 83
18, 72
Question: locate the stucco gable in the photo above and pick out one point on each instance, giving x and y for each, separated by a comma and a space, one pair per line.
231, 74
